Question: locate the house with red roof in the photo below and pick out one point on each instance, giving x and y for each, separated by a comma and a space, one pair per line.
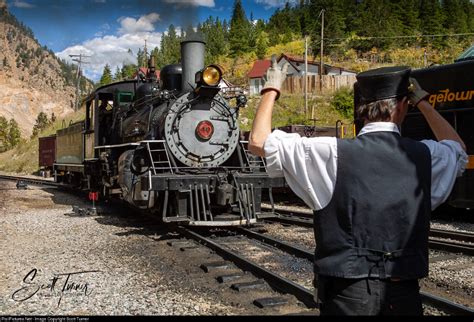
296, 68
256, 75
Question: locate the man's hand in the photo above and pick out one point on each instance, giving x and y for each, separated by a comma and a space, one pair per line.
416, 92
275, 77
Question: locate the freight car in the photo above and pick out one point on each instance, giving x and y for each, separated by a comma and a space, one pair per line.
170, 147
46, 153
452, 93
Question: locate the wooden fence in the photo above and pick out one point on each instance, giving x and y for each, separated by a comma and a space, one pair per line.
330, 83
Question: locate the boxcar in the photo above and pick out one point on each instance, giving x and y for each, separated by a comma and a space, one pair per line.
47, 152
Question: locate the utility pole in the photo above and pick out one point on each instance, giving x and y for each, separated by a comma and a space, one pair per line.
306, 76
321, 66
78, 76
146, 56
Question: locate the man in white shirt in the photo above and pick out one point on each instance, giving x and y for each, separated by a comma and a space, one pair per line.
372, 196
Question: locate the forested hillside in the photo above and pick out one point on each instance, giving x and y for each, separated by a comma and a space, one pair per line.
357, 34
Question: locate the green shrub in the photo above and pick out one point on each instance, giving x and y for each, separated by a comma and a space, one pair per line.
343, 102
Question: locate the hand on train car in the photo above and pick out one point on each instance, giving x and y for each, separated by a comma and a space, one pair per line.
275, 77
416, 92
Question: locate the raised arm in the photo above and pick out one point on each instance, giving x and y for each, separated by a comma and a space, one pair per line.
262, 124
438, 124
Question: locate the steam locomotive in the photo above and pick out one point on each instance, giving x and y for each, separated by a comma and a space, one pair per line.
171, 147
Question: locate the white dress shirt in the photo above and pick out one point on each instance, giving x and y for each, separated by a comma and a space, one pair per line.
309, 165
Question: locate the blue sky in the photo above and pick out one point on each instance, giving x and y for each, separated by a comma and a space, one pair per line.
105, 29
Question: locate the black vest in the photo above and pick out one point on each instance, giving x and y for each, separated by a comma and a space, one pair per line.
377, 222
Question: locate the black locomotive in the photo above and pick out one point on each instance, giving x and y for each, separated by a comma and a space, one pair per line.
171, 146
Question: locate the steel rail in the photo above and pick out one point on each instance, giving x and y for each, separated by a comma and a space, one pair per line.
287, 247
284, 285
447, 246
451, 247
301, 218
278, 282
428, 298
284, 211
32, 181
446, 305
285, 219
456, 235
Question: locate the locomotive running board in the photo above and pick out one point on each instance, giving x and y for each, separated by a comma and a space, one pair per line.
222, 223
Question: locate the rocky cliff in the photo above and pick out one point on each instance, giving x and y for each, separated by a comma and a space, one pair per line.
32, 78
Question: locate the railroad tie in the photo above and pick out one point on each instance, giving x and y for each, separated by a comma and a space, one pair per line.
257, 284
270, 302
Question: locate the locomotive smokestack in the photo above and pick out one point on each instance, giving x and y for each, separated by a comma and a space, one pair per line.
192, 60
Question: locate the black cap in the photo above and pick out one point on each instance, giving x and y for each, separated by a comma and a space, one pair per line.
383, 83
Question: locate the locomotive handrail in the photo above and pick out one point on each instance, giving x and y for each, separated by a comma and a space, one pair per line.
116, 145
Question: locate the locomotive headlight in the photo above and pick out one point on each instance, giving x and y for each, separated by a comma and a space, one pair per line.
210, 76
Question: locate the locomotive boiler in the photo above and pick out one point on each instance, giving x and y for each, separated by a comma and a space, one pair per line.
169, 146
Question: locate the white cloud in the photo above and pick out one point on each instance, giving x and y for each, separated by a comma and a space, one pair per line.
22, 4
274, 3
103, 29
193, 3
112, 50
142, 24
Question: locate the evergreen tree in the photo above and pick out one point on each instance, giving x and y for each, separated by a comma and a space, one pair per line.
432, 17
305, 17
470, 15
170, 51
214, 36
375, 19
239, 30
117, 75
5, 62
141, 59
406, 18
128, 70
13, 134
262, 44
334, 22
40, 124
106, 76
3, 134
456, 12
156, 54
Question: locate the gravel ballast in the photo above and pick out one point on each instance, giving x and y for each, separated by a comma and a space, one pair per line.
130, 270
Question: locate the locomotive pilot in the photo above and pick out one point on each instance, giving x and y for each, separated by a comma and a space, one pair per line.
372, 196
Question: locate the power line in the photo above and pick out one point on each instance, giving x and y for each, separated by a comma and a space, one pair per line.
398, 37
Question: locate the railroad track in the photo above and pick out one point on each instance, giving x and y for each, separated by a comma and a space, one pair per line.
275, 280
442, 240
32, 181
285, 285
